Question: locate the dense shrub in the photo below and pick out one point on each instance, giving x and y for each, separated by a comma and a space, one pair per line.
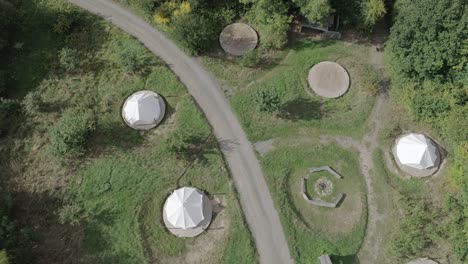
416, 230
251, 59
267, 100
271, 20
7, 108
429, 37
6, 17
69, 59
372, 11
66, 17
68, 138
133, 56
2, 81
197, 38
314, 10
4, 257
32, 103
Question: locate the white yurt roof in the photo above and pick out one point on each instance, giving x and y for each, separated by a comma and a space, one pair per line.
184, 208
143, 110
416, 151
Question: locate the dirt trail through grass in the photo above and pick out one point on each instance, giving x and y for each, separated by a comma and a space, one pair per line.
372, 244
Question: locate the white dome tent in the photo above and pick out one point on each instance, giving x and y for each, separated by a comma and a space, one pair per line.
187, 212
143, 110
417, 153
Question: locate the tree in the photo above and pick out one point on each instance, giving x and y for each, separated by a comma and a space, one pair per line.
267, 100
270, 18
372, 11
2, 81
69, 58
458, 204
314, 10
6, 16
133, 56
428, 37
415, 231
67, 16
68, 138
3, 257
32, 103
200, 37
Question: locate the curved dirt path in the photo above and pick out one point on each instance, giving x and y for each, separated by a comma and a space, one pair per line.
255, 198
373, 240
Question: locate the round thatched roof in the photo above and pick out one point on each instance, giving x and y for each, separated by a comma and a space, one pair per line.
238, 39
328, 79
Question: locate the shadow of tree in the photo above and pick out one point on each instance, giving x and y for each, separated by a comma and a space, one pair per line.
350, 259
301, 109
38, 45
43, 239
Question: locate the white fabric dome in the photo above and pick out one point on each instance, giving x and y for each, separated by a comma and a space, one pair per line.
416, 151
143, 110
184, 208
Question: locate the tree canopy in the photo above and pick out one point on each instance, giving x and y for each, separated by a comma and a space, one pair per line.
314, 10
429, 37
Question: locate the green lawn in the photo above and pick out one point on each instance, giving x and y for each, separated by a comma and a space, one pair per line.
312, 230
296, 128
108, 203
301, 108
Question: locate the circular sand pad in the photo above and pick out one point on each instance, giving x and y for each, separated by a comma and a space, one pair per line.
238, 39
328, 79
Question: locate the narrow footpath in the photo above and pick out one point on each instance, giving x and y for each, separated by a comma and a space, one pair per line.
372, 244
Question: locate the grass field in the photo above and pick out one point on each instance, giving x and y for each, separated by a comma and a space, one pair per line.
296, 128
312, 230
302, 109
105, 207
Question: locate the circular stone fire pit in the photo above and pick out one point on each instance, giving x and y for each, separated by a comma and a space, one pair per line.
323, 187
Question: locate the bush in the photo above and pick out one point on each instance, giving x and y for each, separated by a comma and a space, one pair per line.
251, 59
197, 38
32, 103
271, 20
69, 59
416, 231
267, 101
314, 10
3, 257
428, 39
133, 57
67, 17
68, 138
372, 11
2, 81
7, 108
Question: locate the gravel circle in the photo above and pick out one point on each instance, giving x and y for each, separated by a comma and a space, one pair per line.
238, 39
329, 79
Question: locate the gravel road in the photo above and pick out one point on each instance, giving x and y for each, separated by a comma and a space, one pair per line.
255, 198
